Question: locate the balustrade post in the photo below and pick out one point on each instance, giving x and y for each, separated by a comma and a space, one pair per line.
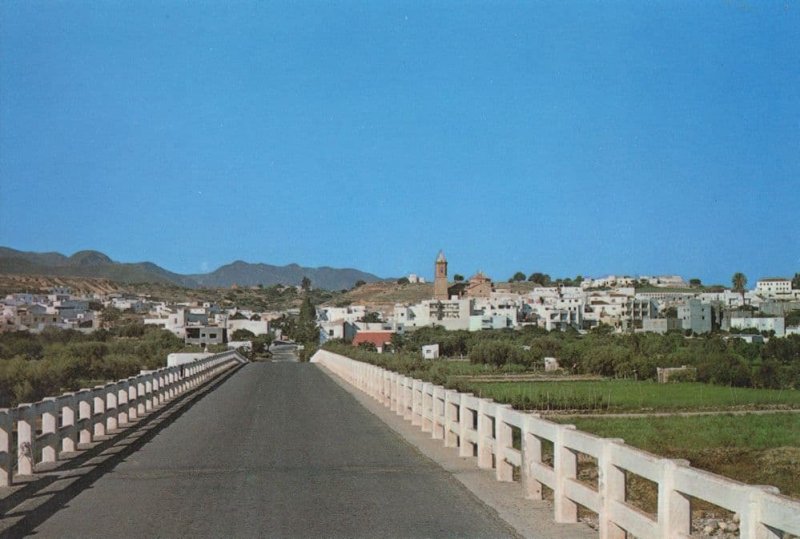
565, 464
111, 408
49, 447
99, 409
6, 428
426, 406
149, 392
531, 453
397, 402
69, 438
387, 389
122, 403
611, 484
674, 507
450, 418
170, 385
416, 402
750, 524
466, 420
408, 396
485, 435
141, 397
25, 450
85, 430
504, 439
161, 392
133, 399
438, 421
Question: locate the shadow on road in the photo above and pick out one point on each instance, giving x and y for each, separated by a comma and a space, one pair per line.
52, 492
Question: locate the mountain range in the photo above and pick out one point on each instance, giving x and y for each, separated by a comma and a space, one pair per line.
98, 265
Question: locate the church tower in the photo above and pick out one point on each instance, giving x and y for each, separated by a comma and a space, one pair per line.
440, 279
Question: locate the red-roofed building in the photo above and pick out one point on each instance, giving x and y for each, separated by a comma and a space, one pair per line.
378, 338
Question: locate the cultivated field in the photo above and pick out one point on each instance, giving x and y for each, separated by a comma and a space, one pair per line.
762, 449
758, 448
611, 396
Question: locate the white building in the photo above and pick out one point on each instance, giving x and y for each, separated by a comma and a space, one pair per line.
351, 313
415, 279
775, 324
430, 351
257, 327
776, 287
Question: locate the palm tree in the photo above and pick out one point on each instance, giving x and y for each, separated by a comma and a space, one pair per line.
739, 280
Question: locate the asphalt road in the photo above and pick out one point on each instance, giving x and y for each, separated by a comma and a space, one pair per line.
284, 352
278, 450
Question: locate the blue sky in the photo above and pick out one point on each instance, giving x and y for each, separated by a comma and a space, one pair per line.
563, 137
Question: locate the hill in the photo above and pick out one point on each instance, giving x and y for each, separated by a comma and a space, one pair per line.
96, 265
246, 274
38, 284
383, 295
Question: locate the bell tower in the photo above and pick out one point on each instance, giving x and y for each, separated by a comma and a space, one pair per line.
440, 278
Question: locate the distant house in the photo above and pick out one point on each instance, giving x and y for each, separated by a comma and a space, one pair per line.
479, 286
696, 316
205, 335
430, 351
774, 287
551, 364
771, 323
685, 373
661, 325
379, 339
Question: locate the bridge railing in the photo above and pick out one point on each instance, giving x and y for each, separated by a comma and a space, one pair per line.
485, 429
39, 432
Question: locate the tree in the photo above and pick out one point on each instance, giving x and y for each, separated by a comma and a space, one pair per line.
739, 281
109, 316
371, 318
458, 277
695, 282
242, 335
403, 280
796, 281
518, 277
359, 283
540, 278
307, 330
305, 284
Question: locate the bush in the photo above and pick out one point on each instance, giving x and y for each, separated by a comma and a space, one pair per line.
497, 353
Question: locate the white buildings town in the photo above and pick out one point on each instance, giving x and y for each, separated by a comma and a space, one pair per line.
666, 303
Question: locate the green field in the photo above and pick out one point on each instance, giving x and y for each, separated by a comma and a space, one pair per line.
753, 448
630, 396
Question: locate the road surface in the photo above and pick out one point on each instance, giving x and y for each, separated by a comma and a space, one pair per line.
278, 450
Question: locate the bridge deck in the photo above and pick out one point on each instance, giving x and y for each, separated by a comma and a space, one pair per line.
278, 450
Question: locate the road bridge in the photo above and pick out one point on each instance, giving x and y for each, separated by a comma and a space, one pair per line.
222, 447
277, 450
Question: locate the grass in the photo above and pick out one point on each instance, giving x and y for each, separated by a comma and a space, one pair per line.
754, 448
631, 396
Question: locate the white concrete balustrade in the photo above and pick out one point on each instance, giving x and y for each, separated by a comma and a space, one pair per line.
40, 432
480, 427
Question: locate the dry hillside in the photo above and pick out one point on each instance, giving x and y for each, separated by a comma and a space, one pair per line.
39, 284
384, 295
